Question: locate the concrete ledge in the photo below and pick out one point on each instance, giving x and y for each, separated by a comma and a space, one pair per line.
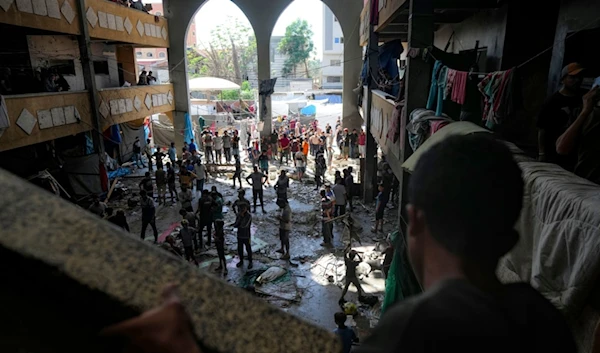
60, 259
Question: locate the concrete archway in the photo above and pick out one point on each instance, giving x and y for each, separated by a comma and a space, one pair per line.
263, 18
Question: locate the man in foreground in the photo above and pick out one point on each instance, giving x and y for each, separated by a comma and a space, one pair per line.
457, 231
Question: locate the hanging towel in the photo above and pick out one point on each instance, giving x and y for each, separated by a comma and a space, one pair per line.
449, 83
4, 120
459, 88
434, 89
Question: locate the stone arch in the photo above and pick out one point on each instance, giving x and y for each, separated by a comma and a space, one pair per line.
262, 18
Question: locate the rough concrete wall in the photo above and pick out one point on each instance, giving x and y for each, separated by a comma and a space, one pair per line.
93, 274
574, 15
44, 49
488, 27
108, 53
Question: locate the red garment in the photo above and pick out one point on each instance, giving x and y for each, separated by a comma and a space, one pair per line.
362, 139
436, 125
284, 142
459, 87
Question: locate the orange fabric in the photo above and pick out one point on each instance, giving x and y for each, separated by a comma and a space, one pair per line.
305, 148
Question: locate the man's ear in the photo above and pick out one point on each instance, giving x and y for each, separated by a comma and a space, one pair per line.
416, 220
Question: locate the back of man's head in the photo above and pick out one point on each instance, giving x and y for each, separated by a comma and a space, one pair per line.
470, 191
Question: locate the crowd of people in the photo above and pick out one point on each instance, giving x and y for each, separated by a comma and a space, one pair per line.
134, 4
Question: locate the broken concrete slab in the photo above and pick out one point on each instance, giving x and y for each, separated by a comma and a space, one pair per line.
61, 243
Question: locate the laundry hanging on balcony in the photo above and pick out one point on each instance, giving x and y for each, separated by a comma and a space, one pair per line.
502, 96
265, 90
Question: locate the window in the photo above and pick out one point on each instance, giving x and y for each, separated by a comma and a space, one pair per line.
341, 40
149, 55
161, 55
336, 40
334, 79
335, 62
63, 67
138, 54
101, 67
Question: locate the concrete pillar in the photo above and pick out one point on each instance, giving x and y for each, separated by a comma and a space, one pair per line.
263, 38
126, 57
89, 77
180, 14
348, 15
418, 78
370, 164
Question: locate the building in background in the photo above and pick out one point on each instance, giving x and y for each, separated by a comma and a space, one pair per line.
333, 51
155, 59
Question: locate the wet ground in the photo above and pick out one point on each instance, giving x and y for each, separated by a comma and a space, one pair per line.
314, 280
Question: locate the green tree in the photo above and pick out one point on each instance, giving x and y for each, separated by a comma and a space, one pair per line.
298, 45
230, 53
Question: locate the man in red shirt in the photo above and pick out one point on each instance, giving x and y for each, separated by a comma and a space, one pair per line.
362, 143
284, 144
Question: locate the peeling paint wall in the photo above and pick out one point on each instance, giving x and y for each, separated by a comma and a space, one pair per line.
47, 51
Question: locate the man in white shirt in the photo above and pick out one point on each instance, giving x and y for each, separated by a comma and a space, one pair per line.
201, 174
218, 146
300, 164
339, 190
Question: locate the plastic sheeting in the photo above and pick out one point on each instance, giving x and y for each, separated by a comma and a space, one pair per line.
128, 137
401, 281
331, 98
164, 133
84, 174
188, 133
309, 110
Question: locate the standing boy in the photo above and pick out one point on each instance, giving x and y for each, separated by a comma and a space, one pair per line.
285, 227
243, 222
171, 182
379, 208
161, 184
257, 180
351, 263
345, 333
186, 234
238, 171
148, 215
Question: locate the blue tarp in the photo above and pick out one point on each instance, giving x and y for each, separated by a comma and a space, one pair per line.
118, 173
188, 133
332, 98
309, 110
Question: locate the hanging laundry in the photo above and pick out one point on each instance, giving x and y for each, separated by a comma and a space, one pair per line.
460, 87
449, 83
4, 120
389, 54
419, 127
394, 132
434, 89
502, 98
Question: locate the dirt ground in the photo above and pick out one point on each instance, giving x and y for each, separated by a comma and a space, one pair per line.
313, 284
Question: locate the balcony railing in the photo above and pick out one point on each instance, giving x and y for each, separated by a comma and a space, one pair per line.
105, 20
40, 117
49, 15
108, 20
119, 105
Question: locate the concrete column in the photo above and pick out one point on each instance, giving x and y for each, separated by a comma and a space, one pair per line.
263, 38
89, 77
348, 15
418, 78
370, 164
179, 13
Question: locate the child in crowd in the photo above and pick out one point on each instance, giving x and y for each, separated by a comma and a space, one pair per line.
345, 333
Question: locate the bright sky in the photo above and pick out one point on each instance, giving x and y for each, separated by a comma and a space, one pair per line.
213, 12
